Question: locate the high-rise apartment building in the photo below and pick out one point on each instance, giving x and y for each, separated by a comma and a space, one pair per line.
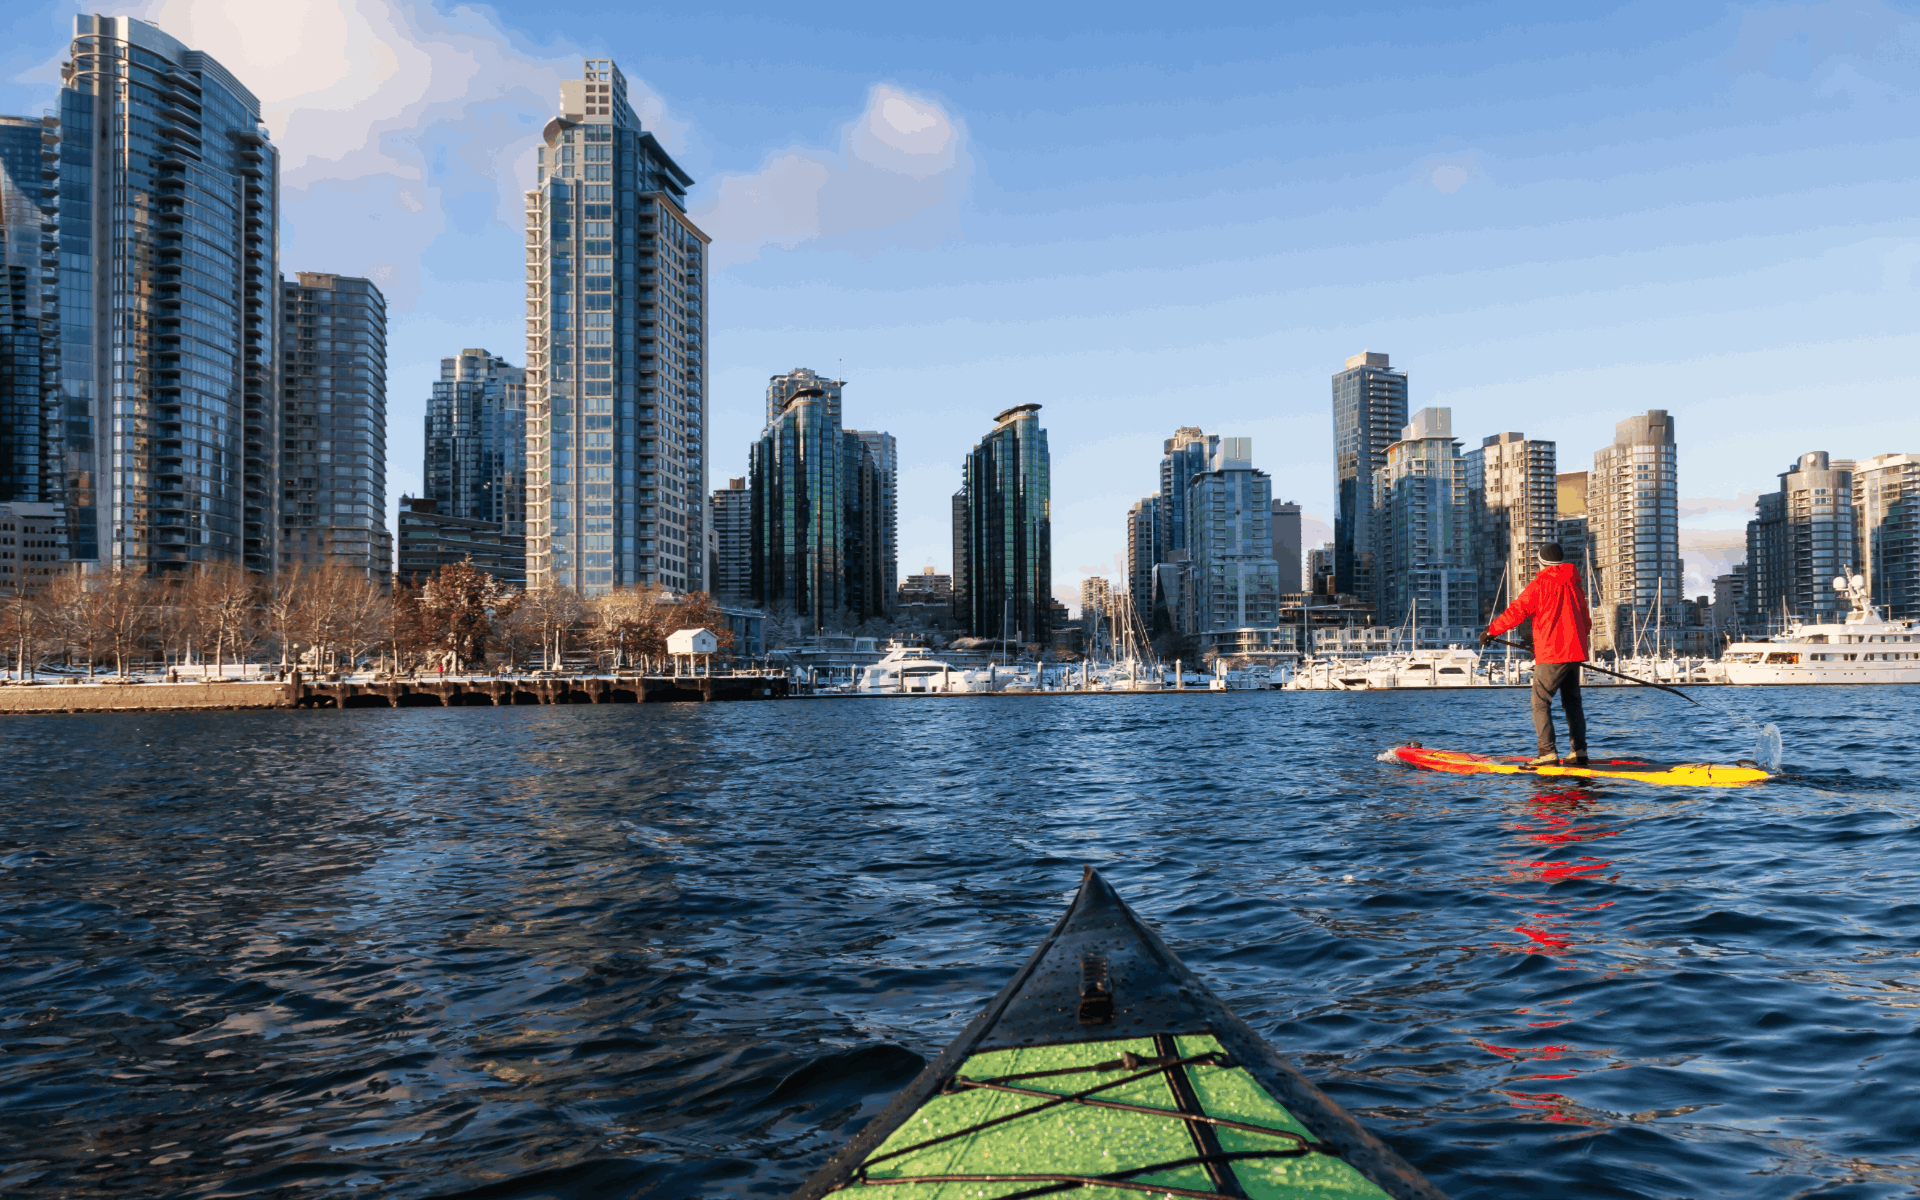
1232, 581
29, 312
1802, 538
1728, 614
616, 352
1422, 536
169, 304
798, 509
1320, 569
869, 579
1369, 411
732, 567
1512, 512
1096, 595
822, 509
782, 388
333, 424
476, 447
1886, 513
1184, 455
1633, 529
1286, 545
1008, 515
1145, 551
962, 526
884, 565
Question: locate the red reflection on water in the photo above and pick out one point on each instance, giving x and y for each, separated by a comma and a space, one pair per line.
1558, 816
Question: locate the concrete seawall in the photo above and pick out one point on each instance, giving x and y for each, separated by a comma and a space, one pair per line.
397, 693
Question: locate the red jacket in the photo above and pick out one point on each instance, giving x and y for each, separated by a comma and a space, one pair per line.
1561, 620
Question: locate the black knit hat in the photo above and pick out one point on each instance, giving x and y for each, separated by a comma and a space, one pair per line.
1552, 553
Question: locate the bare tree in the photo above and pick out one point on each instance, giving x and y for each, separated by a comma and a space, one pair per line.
24, 627
518, 633
284, 608
365, 615
627, 624
124, 613
222, 602
555, 612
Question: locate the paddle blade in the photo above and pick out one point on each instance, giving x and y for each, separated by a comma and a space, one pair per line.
1766, 748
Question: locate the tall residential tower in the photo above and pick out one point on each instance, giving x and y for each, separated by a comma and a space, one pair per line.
1633, 531
169, 304
333, 460
1369, 410
1006, 511
476, 466
29, 312
1422, 541
616, 352
1512, 511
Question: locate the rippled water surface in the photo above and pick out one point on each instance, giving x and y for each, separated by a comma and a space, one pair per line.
685, 950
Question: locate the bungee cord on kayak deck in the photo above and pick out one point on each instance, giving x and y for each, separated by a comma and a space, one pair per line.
1122, 1180
1155, 1066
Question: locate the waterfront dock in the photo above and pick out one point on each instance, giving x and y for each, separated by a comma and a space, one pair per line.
295, 692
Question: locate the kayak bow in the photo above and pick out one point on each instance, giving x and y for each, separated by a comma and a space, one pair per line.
1105, 1068
1456, 762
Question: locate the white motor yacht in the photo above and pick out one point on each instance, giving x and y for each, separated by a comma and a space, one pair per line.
916, 669
1864, 648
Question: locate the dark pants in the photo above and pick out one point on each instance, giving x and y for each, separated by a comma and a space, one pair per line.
1564, 678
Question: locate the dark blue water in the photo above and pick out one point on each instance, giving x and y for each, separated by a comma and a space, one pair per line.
684, 951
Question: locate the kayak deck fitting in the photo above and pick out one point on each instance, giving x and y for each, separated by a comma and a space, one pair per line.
1456, 762
1106, 1069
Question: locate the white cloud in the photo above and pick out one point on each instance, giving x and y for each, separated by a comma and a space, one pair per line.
395, 121
1451, 174
896, 179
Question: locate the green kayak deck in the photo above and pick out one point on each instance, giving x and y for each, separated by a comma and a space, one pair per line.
1105, 1068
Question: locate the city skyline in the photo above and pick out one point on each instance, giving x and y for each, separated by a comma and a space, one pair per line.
1589, 252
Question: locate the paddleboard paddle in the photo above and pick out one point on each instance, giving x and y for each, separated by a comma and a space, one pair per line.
1602, 670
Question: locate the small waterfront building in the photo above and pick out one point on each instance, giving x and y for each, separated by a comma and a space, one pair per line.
33, 546
430, 540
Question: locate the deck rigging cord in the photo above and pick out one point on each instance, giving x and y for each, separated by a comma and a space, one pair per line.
1173, 1066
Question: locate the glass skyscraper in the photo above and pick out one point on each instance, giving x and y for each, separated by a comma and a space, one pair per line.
169, 305
476, 464
616, 352
822, 521
333, 464
1369, 410
795, 474
1007, 508
29, 311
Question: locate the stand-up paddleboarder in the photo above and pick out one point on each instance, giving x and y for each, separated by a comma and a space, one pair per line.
1561, 623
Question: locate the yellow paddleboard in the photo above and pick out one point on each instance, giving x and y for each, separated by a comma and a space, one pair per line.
1457, 762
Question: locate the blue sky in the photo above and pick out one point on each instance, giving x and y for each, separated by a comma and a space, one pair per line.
1140, 221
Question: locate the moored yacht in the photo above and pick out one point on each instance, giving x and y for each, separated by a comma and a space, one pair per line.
1865, 648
